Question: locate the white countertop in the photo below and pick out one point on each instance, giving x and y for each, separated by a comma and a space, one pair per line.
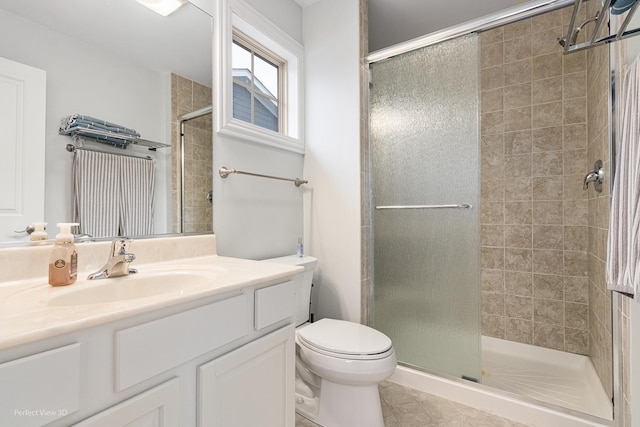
27, 312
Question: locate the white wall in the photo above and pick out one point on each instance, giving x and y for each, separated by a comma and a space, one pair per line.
285, 14
332, 159
257, 218
254, 217
81, 79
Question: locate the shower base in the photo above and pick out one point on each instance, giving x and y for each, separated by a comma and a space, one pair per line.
531, 385
564, 379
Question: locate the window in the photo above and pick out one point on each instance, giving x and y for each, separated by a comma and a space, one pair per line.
257, 84
258, 77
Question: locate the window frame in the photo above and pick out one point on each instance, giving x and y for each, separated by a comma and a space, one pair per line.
280, 64
236, 15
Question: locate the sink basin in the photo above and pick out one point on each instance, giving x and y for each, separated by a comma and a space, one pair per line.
148, 283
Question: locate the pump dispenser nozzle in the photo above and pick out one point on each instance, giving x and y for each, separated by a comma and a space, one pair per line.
65, 234
40, 231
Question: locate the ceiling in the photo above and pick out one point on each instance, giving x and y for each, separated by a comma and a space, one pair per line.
396, 21
180, 43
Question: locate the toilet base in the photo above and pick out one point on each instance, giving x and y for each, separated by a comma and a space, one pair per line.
342, 405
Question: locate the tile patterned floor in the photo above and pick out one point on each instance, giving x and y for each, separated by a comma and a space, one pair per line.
405, 407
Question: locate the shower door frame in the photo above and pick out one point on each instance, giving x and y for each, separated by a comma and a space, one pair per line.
481, 24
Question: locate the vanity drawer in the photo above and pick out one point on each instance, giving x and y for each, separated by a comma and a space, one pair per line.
274, 303
44, 387
149, 349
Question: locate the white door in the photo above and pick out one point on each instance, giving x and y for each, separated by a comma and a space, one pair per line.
251, 386
22, 133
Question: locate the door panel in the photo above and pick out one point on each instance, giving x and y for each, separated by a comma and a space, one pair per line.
425, 153
22, 126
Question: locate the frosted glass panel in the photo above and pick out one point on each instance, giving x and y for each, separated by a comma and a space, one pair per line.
424, 111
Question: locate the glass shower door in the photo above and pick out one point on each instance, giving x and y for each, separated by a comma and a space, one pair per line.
425, 153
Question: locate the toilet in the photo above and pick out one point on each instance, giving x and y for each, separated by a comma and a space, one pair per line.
338, 363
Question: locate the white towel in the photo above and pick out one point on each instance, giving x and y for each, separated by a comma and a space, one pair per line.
623, 247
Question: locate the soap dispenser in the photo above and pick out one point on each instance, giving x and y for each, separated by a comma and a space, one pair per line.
40, 232
300, 248
63, 263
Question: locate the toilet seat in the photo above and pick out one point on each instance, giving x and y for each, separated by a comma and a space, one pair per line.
345, 340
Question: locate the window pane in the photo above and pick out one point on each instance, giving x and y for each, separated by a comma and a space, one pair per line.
241, 64
267, 74
255, 86
265, 112
240, 57
241, 103
242, 76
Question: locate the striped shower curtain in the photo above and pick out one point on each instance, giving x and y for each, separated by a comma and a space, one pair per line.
113, 194
623, 248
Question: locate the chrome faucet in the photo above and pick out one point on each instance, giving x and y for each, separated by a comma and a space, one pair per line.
596, 176
84, 237
118, 262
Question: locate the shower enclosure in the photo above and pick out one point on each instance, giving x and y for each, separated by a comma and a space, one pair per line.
424, 140
192, 158
487, 252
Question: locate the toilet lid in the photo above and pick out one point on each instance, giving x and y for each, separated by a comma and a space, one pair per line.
342, 337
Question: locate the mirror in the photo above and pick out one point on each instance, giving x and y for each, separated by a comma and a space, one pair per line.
123, 63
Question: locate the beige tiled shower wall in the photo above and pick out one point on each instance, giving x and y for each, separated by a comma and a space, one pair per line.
188, 96
600, 340
534, 218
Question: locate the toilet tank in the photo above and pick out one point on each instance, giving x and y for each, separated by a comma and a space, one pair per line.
302, 283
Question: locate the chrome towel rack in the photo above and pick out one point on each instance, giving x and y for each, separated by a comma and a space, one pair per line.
117, 140
460, 206
73, 148
594, 24
225, 172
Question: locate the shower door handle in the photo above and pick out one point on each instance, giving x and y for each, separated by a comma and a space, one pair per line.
461, 206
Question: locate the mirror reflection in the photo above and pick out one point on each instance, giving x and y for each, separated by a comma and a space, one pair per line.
120, 62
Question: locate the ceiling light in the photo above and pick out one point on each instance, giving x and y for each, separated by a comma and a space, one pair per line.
163, 7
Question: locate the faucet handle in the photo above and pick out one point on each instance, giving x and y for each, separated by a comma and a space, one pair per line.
119, 246
596, 176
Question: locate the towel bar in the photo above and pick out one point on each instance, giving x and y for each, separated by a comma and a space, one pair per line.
461, 206
225, 172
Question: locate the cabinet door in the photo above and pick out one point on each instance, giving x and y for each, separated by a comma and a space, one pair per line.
251, 386
158, 407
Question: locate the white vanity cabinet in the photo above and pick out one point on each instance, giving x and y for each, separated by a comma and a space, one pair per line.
158, 407
251, 386
255, 384
149, 349
223, 360
40, 388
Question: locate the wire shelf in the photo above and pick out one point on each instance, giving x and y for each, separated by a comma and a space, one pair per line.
592, 31
117, 140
